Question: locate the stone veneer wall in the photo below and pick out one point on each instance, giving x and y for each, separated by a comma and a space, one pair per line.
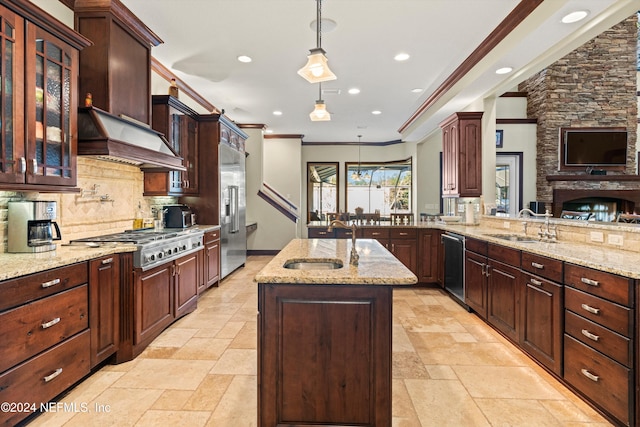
595, 85
83, 215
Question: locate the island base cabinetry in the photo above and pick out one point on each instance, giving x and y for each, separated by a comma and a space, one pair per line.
324, 355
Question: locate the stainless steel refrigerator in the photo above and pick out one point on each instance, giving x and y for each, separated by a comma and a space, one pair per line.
233, 232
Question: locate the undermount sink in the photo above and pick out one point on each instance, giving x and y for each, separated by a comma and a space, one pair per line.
313, 264
515, 238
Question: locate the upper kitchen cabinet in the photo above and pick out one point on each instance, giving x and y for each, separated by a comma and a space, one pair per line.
38, 142
462, 155
116, 70
180, 126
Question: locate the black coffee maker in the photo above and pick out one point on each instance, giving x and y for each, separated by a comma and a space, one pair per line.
31, 224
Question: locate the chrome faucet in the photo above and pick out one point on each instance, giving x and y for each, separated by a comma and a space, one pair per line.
354, 257
544, 233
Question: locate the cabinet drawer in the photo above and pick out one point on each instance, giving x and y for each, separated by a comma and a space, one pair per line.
31, 328
614, 345
24, 289
403, 233
45, 376
375, 233
320, 233
504, 254
211, 236
606, 285
477, 246
613, 316
599, 378
542, 266
343, 233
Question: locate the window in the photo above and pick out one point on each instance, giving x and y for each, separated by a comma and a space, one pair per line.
384, 187
322, 190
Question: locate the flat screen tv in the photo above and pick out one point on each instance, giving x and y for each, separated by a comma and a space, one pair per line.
604, 148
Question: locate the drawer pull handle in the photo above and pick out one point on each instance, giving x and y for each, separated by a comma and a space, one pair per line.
535, 282
107, 261
537, 265
50, 283
375, 234
53, 375
589, 281
590, 309
589, 375
404, 234
590, 335
50, 323
322, 233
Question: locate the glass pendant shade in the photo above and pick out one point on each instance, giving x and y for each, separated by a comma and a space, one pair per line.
317, 69
320, 113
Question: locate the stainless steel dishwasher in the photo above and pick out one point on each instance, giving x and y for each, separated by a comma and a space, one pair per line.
454, 265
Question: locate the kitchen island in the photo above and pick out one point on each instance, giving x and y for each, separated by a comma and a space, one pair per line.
324, 335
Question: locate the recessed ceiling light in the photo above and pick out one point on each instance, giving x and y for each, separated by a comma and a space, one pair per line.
376, 112
504, 70
269, 131
244, 58
401, 56
576, 16
416, 90
354, 91
277, 113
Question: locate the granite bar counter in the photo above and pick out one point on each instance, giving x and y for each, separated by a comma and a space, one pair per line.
324, 336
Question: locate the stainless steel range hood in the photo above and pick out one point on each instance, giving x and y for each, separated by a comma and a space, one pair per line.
108, 137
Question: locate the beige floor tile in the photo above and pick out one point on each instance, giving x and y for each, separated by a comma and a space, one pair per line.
237, 362
155, 418
202, 349
441, 372
517, 412
165, 374
247, 337
230, 330
402, 410
442, 403
408, 365
172, 400
238, 406
173, 337
505, 382
401, 341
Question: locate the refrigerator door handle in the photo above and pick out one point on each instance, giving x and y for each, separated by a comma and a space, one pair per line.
235, 218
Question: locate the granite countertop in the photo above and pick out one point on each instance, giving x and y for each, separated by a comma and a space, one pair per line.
616, 261
377, 266
15, 265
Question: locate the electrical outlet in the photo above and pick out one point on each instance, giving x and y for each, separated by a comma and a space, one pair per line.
615, 239
597, 236
506, 224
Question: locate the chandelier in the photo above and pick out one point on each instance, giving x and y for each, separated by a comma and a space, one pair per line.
317, 70
320, 113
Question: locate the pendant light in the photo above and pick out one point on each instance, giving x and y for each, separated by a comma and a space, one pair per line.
320, 113
317, 70
356, 176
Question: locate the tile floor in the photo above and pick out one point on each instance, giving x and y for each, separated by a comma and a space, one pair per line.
449, 369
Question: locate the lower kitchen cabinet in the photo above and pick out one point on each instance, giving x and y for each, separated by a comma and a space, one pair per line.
404, 246
503, 282
104, 307
475, 273
428, 247
211, 262
44, 325
186, 279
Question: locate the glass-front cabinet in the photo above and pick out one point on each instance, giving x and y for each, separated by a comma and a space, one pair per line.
38, 107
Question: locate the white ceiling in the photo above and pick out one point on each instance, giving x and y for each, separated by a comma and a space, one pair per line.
202, 39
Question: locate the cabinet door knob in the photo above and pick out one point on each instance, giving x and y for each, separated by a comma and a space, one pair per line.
589, 281
589, 375
590, 309
50, 323
53, 375
50, 283
589, 335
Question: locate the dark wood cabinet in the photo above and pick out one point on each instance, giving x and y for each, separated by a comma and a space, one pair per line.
188, 274
428, 248
542, 309
504, 298
475, 274
44, 324
104, 307
211, 262
599, 339
153, 304
38, 146
462, 155
324, 355
179, 125
403, 245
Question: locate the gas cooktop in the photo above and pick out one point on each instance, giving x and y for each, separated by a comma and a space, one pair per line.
155, 247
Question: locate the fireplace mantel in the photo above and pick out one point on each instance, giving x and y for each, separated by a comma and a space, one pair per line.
551, 178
